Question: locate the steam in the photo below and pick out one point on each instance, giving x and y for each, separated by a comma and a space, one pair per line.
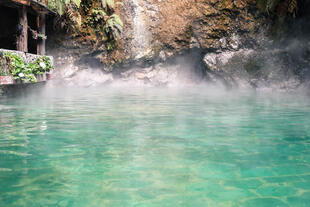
183, 69
275, 68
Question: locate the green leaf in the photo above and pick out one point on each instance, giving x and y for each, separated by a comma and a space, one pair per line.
60, 7
108, 4
117, 20
77, 2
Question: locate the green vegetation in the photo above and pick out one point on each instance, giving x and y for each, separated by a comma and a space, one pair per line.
60, 6
22, 70
41, 65
91, 20
3, 70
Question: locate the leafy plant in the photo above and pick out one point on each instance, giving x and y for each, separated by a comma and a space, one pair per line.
42, 36
108, 4
20, 69
27, 71
3, 72
36, 34
41, 65
94, 20
106, 27
114, 26
60, 5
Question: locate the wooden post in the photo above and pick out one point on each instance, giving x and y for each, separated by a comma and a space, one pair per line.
42, 30
22, 40
38, 41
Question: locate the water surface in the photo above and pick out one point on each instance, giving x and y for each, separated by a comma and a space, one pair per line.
154, 147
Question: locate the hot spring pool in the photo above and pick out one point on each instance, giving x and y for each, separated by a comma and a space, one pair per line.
154, 147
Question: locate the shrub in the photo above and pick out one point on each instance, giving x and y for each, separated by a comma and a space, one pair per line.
27, 71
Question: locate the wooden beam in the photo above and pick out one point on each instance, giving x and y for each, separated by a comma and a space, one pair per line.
38, 41
22, 39
23, 2
39, 9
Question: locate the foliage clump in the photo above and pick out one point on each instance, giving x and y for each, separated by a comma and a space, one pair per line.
25, 71
90, 20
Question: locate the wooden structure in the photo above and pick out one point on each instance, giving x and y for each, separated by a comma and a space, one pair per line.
35, 7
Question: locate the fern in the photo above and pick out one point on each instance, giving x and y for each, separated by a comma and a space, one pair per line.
108, 4
77, 2
93, 19
60, 7
117, 20
114, 25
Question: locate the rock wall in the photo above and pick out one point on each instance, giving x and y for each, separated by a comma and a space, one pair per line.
178, 41
163, 28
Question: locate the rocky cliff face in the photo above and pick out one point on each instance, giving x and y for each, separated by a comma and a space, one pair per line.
217, 41
164, 28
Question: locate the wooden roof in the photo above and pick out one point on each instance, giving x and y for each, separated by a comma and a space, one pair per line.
36, 5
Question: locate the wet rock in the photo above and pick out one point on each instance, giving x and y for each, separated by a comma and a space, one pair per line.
171, 26
234, 42
218, 61
66, 71
263, 69
230, 36
162, 56
91, 77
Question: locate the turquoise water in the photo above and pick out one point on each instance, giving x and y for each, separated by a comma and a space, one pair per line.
154, 147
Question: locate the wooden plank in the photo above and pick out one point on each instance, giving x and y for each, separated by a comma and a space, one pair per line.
38, 41
39, 9
23, 2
